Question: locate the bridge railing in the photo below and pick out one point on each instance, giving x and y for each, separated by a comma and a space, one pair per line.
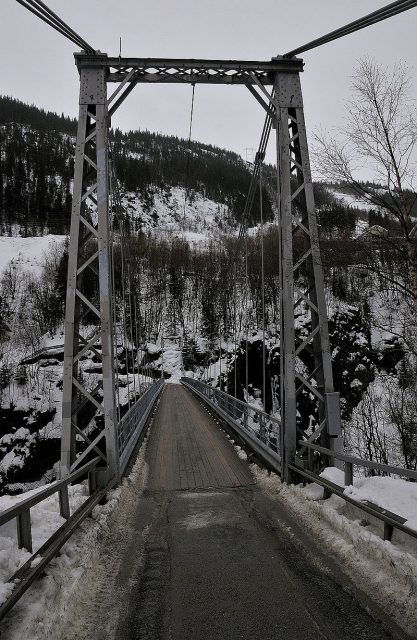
133, 422
259, 430
21, 510
391, 520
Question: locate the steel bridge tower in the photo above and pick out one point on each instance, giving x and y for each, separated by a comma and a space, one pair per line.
89, 409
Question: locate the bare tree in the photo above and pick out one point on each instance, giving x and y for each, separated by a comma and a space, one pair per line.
402, 408
381, 135
367, 435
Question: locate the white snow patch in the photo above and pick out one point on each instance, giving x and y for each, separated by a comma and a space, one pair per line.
394, 494
26, 252
335, 475
40, 614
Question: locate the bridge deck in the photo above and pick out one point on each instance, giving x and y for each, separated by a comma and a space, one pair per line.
205, 554
185, 452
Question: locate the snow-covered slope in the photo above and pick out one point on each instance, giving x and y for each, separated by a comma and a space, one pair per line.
172, 213
27, 253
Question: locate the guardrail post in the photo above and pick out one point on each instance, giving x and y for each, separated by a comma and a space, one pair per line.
388, 531
348, 474
101, 479
310, 459
24, 531
261, 428
64, 505
92, 481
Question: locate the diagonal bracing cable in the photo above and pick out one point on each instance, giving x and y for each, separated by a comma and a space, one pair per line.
388, 11
39, 9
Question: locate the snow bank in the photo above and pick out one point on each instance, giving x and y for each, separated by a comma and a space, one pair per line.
393, 494
41, 612
385, 570
45, 519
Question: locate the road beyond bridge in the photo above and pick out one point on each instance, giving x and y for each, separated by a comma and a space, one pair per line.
205, 554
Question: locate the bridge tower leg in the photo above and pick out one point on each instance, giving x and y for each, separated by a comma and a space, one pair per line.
89, 415
306, 368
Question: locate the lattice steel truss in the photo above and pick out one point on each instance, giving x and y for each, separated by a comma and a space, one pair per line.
90, 292
162, 70
306, 366
89, 409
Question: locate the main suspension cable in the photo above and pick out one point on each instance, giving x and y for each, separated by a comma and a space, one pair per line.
40, 10
366, 21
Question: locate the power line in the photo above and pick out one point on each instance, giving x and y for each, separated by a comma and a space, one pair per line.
40, 10
372, 18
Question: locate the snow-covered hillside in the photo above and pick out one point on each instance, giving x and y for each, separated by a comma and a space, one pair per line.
26, 253
174, 213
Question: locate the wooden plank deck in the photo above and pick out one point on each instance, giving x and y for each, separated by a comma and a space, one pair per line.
187, 449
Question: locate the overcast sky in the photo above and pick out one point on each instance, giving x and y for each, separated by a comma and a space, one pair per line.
38, 64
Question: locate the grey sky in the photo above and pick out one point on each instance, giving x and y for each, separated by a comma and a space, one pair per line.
38, 64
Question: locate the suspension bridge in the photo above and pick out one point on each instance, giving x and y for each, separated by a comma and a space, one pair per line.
228, 573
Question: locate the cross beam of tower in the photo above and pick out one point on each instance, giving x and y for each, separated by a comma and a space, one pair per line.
177, 70
89, 414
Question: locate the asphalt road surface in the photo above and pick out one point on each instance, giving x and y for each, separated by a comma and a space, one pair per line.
204, 554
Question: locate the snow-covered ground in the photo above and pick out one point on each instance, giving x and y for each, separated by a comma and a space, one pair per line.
170, 360
27, 253
353, 201
40, 613
394, 494
350, 199
45, 519
385, 570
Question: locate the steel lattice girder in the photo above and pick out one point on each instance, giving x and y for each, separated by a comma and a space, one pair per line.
165, 70
89, 290
305, 359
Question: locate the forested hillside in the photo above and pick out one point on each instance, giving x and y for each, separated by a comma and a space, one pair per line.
36, 170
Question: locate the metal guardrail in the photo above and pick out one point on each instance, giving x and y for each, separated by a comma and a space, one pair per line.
21, 510
134, 421
258, 429
25, 576
391, 520
352, 461
130, 429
